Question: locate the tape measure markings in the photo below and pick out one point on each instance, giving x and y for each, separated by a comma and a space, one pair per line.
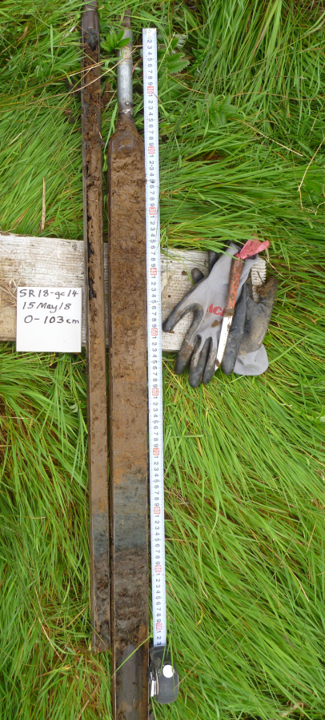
154, 333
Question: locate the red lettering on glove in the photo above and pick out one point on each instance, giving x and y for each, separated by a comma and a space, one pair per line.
216, 310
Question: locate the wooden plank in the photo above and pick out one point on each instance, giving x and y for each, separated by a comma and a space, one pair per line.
46, 262
176, 280
49, 261
95, 329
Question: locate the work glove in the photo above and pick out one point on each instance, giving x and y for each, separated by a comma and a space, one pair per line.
207, 302
245, 354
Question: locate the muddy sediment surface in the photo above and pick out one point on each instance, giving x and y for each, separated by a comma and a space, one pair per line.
96, 351
128, 415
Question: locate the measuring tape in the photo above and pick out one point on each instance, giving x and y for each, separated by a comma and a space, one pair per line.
163, 677
154, 331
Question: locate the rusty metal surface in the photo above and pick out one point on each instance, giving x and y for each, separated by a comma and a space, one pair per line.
128, 422
95, 320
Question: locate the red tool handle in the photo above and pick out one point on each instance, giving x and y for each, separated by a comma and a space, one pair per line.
234, 279
250, 248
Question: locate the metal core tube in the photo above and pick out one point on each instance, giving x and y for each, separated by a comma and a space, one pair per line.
124, 73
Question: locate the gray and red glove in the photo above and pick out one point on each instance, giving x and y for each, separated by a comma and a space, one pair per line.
244, 352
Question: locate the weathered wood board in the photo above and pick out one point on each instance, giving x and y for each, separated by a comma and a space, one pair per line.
51, 262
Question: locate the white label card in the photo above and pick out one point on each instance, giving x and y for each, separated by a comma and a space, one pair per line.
49, 319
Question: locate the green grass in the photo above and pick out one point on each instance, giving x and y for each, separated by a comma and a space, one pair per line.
242, 120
